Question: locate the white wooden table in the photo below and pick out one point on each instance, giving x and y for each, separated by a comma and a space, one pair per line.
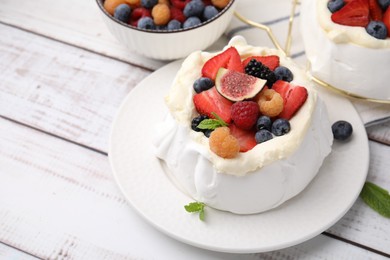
62, 79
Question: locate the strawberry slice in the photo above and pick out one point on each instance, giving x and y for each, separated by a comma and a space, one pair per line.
375, 10
293, 96
229, 59
354, 13
210, 101
246, 138
271, 61
386, 20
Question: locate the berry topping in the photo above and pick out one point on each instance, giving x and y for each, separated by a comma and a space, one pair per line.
244, 114
354, 13
271, 61
177, 14
342, 130
259, 70
194, 8
386, 21
246, 138
209, 12
196, 121
377, 29
237, 86
220, 3
270, 103
263, 135
110, 5
180, 3
161, 14
229, 59
280, 127
210, 101
122, 13
335, 5
375, 10
264, 122
174, 25
146, 23
384, 4
191, 22
283, 73
293, 96
223, 144
137, 14
203, 84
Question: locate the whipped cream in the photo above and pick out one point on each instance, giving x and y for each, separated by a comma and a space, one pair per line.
257, 180
346, 57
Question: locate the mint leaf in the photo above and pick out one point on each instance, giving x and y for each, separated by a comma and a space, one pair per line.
377, 198
196, 207
212, 123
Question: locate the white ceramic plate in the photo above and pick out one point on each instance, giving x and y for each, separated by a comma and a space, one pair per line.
145, 185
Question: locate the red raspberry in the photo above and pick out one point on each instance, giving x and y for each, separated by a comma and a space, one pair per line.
245, 114
180, 3
137, 14
177, 14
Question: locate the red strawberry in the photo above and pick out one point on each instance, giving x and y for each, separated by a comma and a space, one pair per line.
245, 114
386, 20
210, 101
177, 14
354, 13
180, 3
375, 10
271, 61
229, 59
246, 138
137, 14
294, 97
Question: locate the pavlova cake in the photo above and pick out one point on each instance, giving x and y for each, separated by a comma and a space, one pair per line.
348, 44
245, 130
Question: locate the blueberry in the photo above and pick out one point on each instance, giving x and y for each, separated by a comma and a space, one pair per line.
174, 25
202, 84
209, 12
264, 122
342, 130
161, 27
196, 121
122, 13
280, 127
194, 8
384, 4
191, 22
377, 29
148, 3
284, 73
263, 135
207, 132
146, 23
335, 5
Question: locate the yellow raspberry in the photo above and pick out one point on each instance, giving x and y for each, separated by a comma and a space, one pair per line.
164, 2
223, 144
110, 5
133, 3
220, 3
161, 14
270, 103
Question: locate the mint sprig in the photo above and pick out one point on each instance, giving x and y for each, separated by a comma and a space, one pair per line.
212, 123
194, 207
377, 198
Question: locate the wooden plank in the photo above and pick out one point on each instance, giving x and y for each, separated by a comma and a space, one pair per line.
78, 23
7, 252
59, 201
73, 92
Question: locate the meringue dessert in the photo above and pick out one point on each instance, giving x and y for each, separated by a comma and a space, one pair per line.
347, 44
245, 131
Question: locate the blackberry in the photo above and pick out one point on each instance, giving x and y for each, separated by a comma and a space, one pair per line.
259, 70
196, 121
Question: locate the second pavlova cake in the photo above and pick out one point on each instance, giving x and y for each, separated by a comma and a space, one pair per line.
245, 130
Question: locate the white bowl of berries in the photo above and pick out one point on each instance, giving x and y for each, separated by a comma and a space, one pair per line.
167, 29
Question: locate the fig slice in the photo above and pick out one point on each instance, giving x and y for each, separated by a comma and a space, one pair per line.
237, 86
